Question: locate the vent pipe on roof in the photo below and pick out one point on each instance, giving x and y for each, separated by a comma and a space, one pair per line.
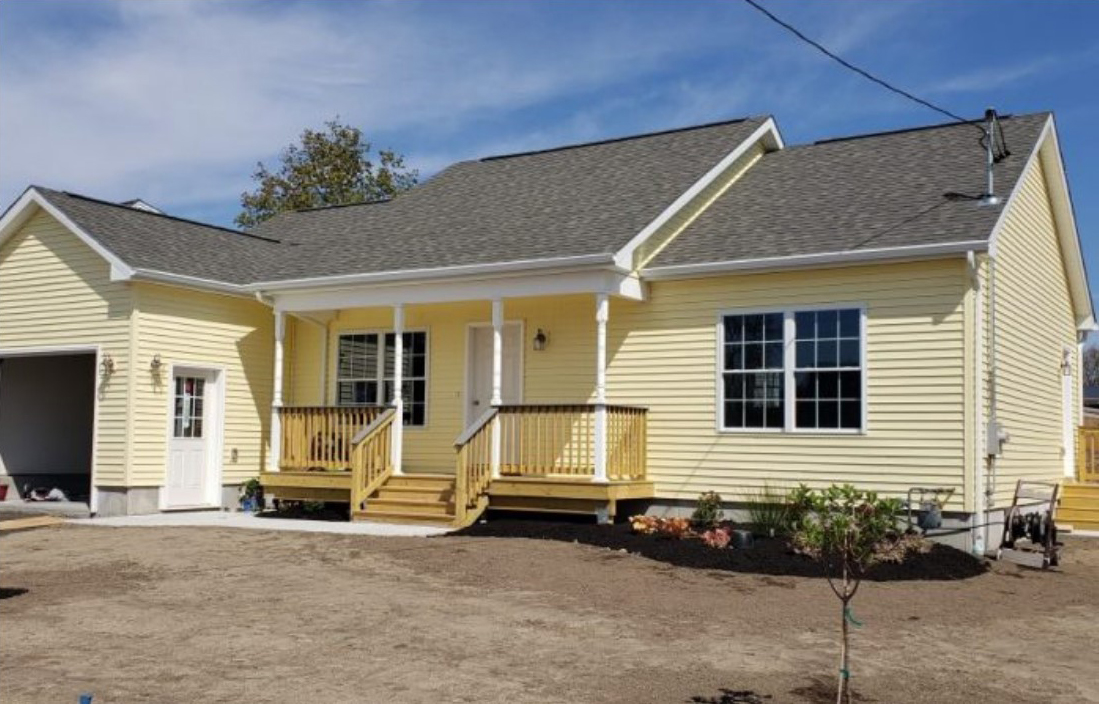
990, 197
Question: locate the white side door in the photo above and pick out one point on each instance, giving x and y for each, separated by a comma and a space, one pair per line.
479, 398
188, 441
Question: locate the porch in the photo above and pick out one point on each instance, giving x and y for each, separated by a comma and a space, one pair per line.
436, 411
526, 457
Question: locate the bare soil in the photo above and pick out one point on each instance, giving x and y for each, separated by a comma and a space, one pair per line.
211, 615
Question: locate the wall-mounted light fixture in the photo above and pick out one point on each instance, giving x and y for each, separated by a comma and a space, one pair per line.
539, 341
106, 366
156, 365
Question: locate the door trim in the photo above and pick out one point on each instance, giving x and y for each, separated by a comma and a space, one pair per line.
215, 441
57, 350
468, 381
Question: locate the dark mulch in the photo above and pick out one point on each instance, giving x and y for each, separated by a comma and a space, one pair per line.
297, 509
768, 556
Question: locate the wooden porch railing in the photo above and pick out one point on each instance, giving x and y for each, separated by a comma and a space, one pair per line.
371, 458
627, 442
1087, 455
560, 439
320, 437
473, 472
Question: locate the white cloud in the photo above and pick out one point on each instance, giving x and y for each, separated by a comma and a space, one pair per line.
174, 102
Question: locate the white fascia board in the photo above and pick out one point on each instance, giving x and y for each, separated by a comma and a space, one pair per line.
23, 209
429, 276
805, 261
468, 289
994, 238
624, 257
194, 282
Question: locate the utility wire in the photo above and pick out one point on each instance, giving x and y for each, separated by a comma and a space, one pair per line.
862, 72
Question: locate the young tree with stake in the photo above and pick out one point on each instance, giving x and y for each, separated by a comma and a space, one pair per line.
847, 530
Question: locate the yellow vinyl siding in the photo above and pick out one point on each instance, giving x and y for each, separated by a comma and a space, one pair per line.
192, 328
304, 363
1035, 322
663, 355
55, 291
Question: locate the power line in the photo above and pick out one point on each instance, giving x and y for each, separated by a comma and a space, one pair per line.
862, 72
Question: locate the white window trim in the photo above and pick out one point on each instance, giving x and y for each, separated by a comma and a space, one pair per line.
381, 333
789, 365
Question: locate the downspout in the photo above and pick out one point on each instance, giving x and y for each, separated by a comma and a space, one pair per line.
979, 534
993, 436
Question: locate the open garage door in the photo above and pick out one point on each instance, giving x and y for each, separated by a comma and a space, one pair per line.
47, 417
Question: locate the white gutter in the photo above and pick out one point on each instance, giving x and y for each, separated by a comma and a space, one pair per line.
980, 511
676, 271
433, 274
165, 277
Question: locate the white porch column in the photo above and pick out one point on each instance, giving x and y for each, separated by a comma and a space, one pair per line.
275, 454
398, 381
497, 379
602, 313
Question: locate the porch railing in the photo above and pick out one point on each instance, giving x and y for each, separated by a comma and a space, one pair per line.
320, 437
371, 458
473, 472
1087, 454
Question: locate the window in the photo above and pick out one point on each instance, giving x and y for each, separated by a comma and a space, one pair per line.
828, 369
187, 418
365, 372
792, 370
753, 371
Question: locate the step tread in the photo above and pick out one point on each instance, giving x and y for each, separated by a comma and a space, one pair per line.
404, 517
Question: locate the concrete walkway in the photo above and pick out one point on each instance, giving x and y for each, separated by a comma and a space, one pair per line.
226, 519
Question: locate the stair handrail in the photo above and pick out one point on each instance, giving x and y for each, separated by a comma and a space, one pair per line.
473, 470
371, 457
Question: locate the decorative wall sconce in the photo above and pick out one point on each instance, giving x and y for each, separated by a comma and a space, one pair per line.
106, 367
156, 365
540, 341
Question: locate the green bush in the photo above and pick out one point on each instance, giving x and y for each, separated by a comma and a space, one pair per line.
770, 512
707, 513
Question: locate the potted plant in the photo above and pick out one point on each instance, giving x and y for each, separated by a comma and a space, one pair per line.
251, 495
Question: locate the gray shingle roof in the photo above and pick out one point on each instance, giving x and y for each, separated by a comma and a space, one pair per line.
146, 240
867, 192
572, 201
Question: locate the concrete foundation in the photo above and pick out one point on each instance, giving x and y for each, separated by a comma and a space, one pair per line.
127, 501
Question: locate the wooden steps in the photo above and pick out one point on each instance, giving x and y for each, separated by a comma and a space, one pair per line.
1079, 506
411, 498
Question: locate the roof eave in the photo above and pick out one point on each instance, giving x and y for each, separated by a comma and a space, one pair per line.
429, 275
816, 260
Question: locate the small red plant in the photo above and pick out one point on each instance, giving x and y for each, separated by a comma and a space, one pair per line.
717, 537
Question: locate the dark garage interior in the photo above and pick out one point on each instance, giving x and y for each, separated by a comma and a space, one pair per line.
47, 414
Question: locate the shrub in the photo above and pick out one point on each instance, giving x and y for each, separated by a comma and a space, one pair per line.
770, 512
707, 513
665, 527
717, 537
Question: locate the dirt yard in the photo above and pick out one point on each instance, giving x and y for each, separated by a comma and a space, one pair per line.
209, 615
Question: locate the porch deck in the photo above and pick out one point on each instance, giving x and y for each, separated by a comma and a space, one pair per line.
541, 458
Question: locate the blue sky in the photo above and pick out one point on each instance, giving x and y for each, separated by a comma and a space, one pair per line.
176, 102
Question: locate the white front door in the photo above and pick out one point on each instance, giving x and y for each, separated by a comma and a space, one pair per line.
189, 441
479, 398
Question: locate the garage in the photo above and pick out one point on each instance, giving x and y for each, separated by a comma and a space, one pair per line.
47, 422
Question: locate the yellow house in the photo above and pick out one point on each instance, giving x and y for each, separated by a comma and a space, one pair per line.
641, 319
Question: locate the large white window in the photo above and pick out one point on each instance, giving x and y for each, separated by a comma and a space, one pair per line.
365, 372
792, 370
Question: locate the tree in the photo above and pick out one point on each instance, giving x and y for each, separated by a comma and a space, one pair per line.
328, 167
847, 530
1091, 365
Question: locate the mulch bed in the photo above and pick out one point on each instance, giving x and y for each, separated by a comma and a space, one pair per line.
767, 556
296, 509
